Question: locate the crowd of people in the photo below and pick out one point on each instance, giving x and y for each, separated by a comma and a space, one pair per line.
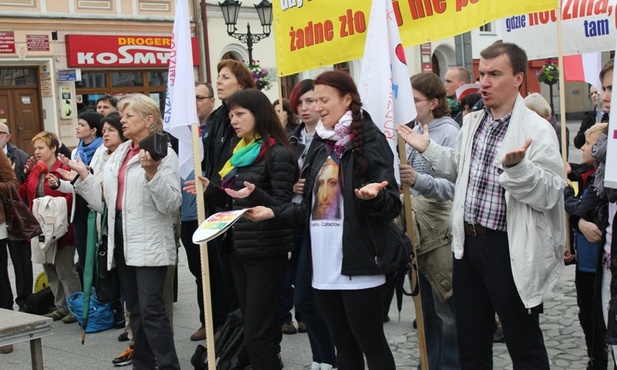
489, 188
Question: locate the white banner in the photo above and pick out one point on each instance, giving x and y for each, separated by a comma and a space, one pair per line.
385, 88
180, 103
610, 174
588, 26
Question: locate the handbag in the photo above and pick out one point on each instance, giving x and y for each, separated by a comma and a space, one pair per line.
106, 281
100, 316
20, 222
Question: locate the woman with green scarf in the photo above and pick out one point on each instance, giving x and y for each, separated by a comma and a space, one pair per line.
263, 164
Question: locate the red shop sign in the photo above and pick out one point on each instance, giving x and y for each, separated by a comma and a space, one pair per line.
121, 51
7, 42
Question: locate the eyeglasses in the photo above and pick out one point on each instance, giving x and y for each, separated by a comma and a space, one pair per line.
419, 100
201, 97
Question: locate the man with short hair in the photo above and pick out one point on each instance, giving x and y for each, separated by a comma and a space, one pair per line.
106, 104
455, 78
507, 215
204, 95
20, 251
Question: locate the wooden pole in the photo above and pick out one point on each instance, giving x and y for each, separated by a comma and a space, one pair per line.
203, 250
562, 116
409, 226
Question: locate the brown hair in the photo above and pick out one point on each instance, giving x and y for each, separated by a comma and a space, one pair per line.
239, 70
517, 56
606, 68
342, 82
291, 116
430, 85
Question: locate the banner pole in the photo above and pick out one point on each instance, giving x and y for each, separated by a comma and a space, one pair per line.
417, 301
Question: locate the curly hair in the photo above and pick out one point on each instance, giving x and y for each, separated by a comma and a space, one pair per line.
343, 82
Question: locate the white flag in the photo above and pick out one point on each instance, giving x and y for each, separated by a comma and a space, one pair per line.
385, 88
180, 104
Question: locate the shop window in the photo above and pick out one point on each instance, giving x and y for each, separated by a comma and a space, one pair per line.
288, 83
157, 78
127, 79
91, 80
342, 67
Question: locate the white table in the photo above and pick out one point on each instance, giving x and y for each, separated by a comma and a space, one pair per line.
18, 327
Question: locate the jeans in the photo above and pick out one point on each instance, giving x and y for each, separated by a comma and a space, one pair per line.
483, 284
439, 329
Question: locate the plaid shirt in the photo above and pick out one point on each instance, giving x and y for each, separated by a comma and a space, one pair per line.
485, 203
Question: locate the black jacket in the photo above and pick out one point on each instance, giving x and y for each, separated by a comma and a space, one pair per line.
588, 120
219, 144
251, 239
19, 157
365, 222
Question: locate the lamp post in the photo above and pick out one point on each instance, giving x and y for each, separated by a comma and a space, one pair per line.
231, 8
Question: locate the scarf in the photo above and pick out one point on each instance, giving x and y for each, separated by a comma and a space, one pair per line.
86, 151
244, 155
336, 138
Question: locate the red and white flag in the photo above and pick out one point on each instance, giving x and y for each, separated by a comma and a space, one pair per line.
180, 103
384, 87
583, 67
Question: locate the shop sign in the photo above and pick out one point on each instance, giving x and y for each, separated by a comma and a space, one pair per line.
69, 75
7, 42
37, 42
121, 51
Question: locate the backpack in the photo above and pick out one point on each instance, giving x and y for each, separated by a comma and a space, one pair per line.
41, 302
229, 347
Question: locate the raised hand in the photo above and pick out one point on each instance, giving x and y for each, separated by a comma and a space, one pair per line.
78, 166
52, 180
30, 163
189, 186
242, 193
370, 191
417, 141
513, 157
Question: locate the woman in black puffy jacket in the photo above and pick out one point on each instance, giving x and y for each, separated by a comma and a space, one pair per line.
263, 165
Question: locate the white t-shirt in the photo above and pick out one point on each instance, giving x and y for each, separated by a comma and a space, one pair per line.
326, 228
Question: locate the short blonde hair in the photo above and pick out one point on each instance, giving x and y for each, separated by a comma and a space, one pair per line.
145, 107
538, 104
597, 128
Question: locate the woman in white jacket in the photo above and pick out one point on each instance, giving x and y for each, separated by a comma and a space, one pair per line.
142, 194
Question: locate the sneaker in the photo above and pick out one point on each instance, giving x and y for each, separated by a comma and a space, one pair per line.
69, 319
288, 328
126, 358
301, 327
55, 314
200, 334
123, 337
6, 349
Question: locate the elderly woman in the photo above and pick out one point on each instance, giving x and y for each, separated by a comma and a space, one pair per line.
60, 269
538, 104
142, 194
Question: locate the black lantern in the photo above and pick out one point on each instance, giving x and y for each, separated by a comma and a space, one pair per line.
231, 9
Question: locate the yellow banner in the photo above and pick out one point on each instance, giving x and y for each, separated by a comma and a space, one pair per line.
314, 33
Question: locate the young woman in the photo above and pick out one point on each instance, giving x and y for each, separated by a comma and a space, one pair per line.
263, 165
61, 273
141, 195
324, 354
286, 115
350, 197
433, 198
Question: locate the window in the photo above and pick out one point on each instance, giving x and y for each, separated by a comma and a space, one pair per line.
487, 28
342, 67
288, 83
18, 76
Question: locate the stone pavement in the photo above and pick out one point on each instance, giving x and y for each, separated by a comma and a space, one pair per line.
562, 332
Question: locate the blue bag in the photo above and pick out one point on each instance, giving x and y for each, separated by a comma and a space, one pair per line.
100, 316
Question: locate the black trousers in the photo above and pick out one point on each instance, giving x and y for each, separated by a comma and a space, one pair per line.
591, 319
258, 283
355, 319
21, 256
143, 290
220, 303
6, 294
483, 284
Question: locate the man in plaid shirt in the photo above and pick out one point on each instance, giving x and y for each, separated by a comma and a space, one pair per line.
507, 214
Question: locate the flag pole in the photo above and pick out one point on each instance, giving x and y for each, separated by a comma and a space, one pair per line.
203, 251
562, 118
413, 273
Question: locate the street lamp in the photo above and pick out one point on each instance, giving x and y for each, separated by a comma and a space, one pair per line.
231, 8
